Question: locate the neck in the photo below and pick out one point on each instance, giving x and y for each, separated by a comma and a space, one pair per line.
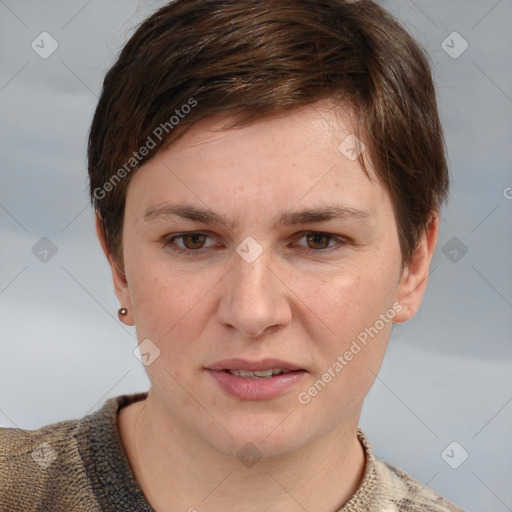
176, 470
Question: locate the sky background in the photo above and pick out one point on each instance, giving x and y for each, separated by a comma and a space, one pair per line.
447, 376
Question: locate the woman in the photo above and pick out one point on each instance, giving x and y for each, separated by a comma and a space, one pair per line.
267, 179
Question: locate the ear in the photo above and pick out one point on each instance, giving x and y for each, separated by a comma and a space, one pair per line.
414, 278
120, 284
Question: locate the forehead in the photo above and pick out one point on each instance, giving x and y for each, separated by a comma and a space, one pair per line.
325, 115
297, 157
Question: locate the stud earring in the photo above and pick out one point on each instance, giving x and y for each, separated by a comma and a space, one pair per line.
122, 312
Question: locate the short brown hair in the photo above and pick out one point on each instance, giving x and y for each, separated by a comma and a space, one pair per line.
255, 58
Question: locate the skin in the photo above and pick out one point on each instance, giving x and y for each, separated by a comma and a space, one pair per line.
291, 303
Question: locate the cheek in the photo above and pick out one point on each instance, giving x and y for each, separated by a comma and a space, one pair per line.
349, 332
346, 303
170, 306
350, 343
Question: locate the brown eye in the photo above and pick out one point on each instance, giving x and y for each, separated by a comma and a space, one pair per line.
319, 241
190, 244
193, 241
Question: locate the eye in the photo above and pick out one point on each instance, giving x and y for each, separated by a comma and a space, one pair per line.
319, 242
193, 242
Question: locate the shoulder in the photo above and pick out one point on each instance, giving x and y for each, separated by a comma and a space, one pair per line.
76, 465
40, 469
401, 492
389, 489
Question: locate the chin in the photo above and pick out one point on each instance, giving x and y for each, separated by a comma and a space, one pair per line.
266, 436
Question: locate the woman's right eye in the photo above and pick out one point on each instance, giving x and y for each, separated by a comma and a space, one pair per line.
192, 242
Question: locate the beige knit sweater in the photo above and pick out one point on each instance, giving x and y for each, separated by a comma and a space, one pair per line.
81, 466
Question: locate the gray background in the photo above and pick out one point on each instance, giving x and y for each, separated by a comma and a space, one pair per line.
448, 372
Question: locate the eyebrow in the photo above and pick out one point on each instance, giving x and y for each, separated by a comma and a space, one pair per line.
333, 212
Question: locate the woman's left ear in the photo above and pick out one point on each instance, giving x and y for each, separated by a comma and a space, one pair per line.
414, 278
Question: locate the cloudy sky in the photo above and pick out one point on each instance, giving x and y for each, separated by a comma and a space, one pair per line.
448, 373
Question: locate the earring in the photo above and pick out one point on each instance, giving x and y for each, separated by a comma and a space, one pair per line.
122, 312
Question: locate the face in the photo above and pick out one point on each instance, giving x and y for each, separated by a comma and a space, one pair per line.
262, 248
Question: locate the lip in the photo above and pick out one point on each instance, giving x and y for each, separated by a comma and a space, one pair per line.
255, 389
252, 366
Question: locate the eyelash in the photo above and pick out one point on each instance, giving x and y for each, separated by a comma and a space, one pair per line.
169, 240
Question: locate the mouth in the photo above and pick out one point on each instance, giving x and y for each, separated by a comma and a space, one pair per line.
262, 374
256, 380
262, 369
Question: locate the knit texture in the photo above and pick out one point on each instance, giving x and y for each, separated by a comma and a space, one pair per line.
81, 466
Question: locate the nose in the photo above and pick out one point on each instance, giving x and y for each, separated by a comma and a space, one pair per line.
254, 298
